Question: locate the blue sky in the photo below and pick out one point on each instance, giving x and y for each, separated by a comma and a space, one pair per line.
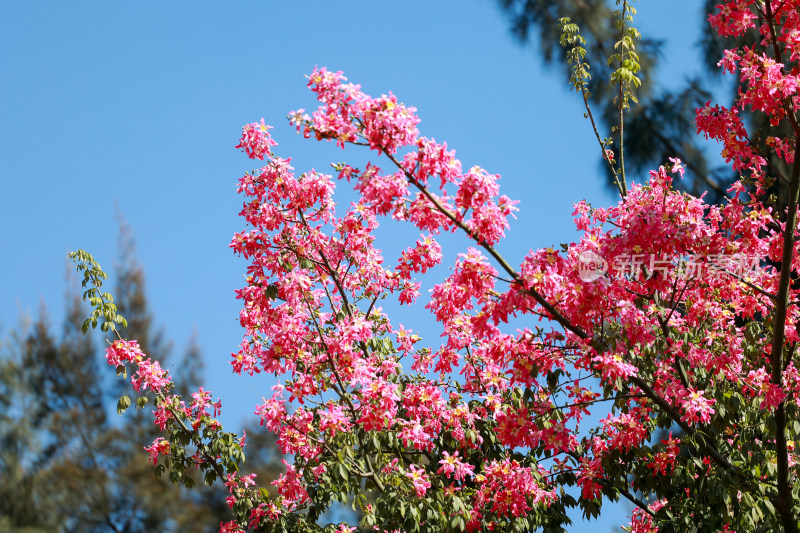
136, 107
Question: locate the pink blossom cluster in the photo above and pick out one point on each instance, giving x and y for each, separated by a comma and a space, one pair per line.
347, 114
158, 447
493, 416
148, 376
255, 141
310, 269
508, 489
170, 410
767, 83
315, 276
350, 116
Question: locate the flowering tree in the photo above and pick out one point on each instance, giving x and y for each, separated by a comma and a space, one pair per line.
672, 322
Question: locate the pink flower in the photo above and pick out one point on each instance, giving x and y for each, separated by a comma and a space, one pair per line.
509, 488
664, 461
451, 466
697, 408
159, 447
163, 413
334, 419
121, 351
290, 486
612, 367
150, 375
388, 125
230, 527
256, 141
419, 479
642, 522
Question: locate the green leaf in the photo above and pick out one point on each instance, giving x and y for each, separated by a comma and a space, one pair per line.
341, 471
457, 523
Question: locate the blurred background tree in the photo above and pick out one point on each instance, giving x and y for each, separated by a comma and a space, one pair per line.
68, 463
662, 124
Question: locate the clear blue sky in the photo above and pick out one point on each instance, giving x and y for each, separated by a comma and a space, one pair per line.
136, 106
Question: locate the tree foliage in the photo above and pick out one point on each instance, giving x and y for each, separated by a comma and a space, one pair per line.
655, 363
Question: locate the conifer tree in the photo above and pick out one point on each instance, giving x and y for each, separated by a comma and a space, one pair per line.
58, 475
662, 124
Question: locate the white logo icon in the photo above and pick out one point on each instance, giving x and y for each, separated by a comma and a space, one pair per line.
591, 266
